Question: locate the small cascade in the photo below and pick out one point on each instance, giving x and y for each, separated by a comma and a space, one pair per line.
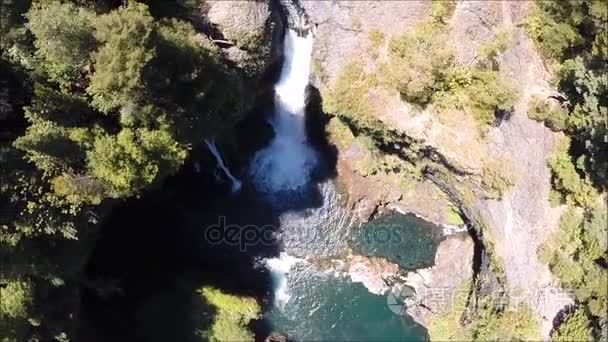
236, 184
279, 267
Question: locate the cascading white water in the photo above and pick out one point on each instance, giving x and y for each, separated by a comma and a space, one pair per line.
279, 267
287, 163
236, 184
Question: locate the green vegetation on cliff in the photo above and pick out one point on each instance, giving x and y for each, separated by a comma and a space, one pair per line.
489, 321
572, 36
575, 253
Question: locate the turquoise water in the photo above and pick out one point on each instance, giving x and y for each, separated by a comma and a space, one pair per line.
405, 240
331, 308
325, 305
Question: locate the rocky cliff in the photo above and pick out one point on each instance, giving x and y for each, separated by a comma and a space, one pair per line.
514, 223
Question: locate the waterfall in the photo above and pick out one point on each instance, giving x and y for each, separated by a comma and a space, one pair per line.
236, 184
288, 162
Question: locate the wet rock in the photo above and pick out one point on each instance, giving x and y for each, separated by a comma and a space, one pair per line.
276, 337
374, 273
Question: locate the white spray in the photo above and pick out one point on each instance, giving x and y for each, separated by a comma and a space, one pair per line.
286, 164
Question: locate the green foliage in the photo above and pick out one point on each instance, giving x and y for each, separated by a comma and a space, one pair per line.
133, 160
442, 10
566, 177
64, 109
551, 114
63, 38
572, 34
574, 328
479, 92
15, 303
418, 62
554, 36
573, 253
488, 52
48, 146
423, 71
15, 298
452, 216
509, 325
119, 62
348, 98
183, 79
339, 133
485, 323
448, 326
232, 316
497, 177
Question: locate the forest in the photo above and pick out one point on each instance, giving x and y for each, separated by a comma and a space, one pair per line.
99, 102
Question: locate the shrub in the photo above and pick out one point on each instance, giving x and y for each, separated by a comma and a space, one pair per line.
232, 316
339, 133
15, 297
119, 63
423, 71
573, 251
442, 10
551, 114
566, 177
417, 63
551, 35
488, 52
452, 216
574, 328
376, 37
132, 160
348, 97
497, 177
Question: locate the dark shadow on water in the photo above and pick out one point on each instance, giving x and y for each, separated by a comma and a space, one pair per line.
154, 254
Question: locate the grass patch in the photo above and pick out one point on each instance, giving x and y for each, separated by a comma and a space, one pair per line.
452, 216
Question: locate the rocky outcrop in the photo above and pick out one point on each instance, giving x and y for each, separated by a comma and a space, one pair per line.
435, 287
249, 32
374, 273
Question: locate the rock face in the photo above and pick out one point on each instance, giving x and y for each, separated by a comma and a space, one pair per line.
516, 224
372, 272
342, 28
249, 31
436, 286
